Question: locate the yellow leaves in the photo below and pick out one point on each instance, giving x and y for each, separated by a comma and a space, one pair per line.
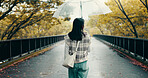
63, 28
44, 4
23, 10
116, 23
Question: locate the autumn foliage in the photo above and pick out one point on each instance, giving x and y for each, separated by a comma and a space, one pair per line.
116, 23
33, 18
27, 18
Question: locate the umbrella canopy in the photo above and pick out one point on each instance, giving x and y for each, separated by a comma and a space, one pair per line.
81, 8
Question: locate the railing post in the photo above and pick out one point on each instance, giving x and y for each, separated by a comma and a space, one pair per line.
120, 42
44, 41
144, 52
21, 48
40, 43
128, 45
53, 40
135, 53
48, 40
35, 44
124, 43
29, 46
10, 51
114, 41
57, 39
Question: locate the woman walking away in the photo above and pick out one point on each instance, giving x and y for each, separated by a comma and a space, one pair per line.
80, 69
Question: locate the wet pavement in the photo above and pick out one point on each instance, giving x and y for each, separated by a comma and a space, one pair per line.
103, 63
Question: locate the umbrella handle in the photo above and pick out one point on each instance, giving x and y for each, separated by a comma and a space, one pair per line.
81, 9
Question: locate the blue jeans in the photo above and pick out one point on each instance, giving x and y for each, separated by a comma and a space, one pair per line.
80, 70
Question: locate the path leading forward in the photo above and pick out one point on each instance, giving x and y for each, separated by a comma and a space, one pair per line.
103, 63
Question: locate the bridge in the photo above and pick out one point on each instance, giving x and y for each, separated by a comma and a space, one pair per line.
110, 57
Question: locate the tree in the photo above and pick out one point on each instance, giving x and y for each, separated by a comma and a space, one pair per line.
123, 11
116, 23
61, 29
26, 14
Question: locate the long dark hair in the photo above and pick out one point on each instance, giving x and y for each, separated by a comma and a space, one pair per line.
77, 31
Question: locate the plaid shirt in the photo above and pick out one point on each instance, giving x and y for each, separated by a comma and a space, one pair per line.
83, 48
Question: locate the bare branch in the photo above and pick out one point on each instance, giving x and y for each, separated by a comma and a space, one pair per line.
22, 24
1, 2
118, 5
10, 9
145, 4
127, 25
5, 33
13, 31
130, 17
142, 2
121, 5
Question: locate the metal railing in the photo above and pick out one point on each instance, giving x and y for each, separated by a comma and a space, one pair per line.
139, 47
13, 48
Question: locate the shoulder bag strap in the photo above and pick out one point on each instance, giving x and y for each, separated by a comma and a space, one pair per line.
77, 45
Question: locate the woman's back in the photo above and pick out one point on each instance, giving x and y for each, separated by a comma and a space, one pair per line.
80, 68
83, 47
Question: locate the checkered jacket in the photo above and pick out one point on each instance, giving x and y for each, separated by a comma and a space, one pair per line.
83, 48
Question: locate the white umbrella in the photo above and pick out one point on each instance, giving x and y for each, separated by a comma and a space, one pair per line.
81, 8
